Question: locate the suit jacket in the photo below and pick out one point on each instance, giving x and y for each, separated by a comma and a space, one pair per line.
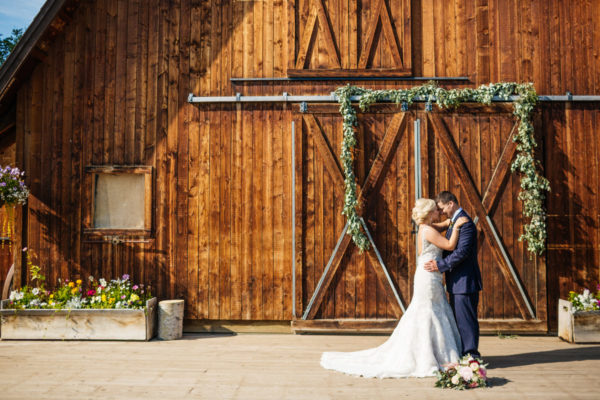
460, 265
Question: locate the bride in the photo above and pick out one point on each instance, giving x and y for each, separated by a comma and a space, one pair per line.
426, 336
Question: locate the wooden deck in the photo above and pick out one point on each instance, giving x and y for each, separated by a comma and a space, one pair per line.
260, 366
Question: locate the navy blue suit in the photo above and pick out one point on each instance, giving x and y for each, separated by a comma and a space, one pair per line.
463, 282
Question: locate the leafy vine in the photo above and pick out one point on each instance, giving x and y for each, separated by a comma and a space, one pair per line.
533, 185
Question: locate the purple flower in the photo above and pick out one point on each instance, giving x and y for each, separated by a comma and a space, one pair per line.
2, 184
125, 277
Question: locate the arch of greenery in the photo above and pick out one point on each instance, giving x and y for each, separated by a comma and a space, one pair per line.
533, 185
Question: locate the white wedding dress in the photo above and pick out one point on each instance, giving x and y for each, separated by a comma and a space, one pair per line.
425, 338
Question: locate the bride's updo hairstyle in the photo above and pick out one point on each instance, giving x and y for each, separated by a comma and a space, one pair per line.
422, 209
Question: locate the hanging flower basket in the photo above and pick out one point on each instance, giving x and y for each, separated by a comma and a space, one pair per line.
13, 192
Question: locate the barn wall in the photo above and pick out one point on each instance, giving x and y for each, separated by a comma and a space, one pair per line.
112, 90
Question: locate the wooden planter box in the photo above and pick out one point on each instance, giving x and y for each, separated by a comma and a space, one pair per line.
87, 324
578, 327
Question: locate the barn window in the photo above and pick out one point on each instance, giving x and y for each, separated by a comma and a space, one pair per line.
337, 38
120, 200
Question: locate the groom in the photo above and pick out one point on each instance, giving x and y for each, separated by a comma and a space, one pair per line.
463, 278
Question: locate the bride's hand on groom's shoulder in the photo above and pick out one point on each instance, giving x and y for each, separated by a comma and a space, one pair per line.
460, 222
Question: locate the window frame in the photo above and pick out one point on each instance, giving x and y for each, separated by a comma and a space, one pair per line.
107, 234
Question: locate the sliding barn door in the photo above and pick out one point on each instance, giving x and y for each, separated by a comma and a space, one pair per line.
467, 151
337, 285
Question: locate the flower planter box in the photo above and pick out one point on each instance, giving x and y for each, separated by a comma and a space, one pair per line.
79, 324
578, 326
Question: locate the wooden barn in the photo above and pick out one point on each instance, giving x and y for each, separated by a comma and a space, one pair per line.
194, 144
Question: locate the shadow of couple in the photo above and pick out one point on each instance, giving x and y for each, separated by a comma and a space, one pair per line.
576, 353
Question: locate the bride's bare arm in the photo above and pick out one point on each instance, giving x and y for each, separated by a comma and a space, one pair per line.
441, 226
440, 241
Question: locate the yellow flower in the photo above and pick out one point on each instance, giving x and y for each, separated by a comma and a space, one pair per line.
79, 281
51, 296
103, 297
51, 303
111, 300
134, 297
74, 290
71, 284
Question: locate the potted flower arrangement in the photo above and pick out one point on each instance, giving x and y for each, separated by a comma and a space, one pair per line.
97, 310
468, 373
13, 191
579, 317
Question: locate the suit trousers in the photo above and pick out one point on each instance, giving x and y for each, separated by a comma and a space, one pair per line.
464, 307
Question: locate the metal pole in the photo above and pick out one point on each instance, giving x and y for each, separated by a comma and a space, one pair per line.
417, 133
418, 184
293, 219
285, 98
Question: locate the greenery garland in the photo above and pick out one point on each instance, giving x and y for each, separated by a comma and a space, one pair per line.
533, 185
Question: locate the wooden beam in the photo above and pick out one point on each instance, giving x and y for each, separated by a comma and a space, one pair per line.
387, 326
325, 151
491, 196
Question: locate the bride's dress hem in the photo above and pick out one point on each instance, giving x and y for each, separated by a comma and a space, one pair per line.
425, 338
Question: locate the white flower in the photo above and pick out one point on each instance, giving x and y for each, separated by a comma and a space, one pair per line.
474, 366
103, 282
455, 379
35, 291
13, 295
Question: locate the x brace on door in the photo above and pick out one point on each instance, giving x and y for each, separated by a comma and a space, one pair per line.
384, 156
484, 207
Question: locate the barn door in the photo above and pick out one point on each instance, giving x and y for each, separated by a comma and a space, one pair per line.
466, 151
470, 154
336, 285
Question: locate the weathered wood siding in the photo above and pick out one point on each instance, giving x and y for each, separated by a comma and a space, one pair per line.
112, 89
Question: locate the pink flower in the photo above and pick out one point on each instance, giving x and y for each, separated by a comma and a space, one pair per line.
91, 292
123, 297
483, 373
135, 287
24, 248
466, 373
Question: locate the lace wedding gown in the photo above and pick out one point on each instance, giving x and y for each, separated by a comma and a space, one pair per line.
425, 338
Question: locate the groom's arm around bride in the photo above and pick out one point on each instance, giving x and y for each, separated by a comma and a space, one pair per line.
463, 277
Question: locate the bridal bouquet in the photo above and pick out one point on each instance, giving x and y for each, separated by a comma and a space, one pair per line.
586, 301
467, 373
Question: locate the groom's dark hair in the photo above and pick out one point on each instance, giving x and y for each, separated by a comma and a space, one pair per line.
446, 197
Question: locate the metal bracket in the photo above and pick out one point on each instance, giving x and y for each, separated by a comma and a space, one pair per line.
569, 96
303, 107
238, 96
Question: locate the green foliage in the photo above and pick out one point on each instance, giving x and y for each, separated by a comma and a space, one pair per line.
533, 185
7, 44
